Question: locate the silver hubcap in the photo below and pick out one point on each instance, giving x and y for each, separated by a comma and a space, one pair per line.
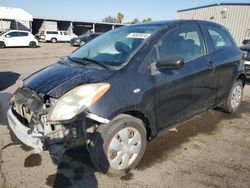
236, 97
124, 148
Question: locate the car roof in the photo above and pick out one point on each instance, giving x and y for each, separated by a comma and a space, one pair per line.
88, 34
163, 23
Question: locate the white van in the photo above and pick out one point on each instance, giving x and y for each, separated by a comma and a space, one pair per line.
17, 38
55, 36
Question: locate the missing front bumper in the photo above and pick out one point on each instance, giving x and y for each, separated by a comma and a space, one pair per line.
69, 135
34, 140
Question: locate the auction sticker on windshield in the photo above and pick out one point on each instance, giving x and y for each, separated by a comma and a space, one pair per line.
139, 35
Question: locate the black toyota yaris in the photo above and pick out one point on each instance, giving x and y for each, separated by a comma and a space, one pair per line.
121, 89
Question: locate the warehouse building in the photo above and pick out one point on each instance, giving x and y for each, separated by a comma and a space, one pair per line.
14, 18
234, 16
77, 27
19, 19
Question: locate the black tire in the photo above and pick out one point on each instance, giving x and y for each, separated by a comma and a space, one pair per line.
103, 136
54, 40
32, 44
228, 105
2, 45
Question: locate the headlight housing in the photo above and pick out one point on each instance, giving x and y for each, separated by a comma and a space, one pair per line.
76, 100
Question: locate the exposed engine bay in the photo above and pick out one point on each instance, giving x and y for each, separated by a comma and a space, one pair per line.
31, 110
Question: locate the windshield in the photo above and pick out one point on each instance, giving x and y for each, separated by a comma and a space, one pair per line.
2, 33
115, 47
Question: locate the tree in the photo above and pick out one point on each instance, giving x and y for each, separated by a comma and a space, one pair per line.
119, 17
147, 20
109, 19
135, 21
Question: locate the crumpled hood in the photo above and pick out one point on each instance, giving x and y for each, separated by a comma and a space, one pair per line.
57, 79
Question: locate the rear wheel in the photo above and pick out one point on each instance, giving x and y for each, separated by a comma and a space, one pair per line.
32, 44
118, 146
234, 99
2, 45
53, 40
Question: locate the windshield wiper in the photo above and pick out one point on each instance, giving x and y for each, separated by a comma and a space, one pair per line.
77, 60
84, 59
94, 61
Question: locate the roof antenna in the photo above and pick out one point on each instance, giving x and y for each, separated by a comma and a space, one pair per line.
199, 3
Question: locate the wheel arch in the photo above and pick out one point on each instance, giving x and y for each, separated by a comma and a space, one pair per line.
242, 77
144, 118
53, 38
3, 43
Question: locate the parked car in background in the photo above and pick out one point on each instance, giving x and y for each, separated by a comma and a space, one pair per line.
15, 38
125, 87
83, 39
246, 41
246, 52
55, 36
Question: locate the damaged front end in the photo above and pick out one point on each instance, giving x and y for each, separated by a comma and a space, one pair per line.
27, 118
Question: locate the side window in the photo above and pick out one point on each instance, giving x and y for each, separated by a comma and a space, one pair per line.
22, 34
52, 32
219, 37
185, 41
13, 34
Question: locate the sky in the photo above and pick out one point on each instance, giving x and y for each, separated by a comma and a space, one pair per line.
96, 10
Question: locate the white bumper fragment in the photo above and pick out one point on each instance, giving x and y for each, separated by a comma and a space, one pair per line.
97, 118
33, 140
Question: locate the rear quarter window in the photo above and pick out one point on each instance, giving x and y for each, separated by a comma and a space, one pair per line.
23, 34
219, 37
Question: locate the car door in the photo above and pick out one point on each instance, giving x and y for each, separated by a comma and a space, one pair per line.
12, 39
183, 92
225, 56
66, 35
23, 38
61, 36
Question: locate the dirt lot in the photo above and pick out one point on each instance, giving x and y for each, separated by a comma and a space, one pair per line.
212, 150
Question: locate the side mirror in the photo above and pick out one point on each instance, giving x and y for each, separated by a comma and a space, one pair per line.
246, 52
7, 36
170, 62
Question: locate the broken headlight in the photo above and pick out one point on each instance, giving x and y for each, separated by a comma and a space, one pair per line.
76, 100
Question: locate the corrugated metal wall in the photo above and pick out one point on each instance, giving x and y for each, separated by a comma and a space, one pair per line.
4, 25
236, 18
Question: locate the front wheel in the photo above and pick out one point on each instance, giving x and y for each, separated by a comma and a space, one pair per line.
2, 45
117, 147
234, 98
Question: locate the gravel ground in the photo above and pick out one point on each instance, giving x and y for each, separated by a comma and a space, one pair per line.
211, 150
